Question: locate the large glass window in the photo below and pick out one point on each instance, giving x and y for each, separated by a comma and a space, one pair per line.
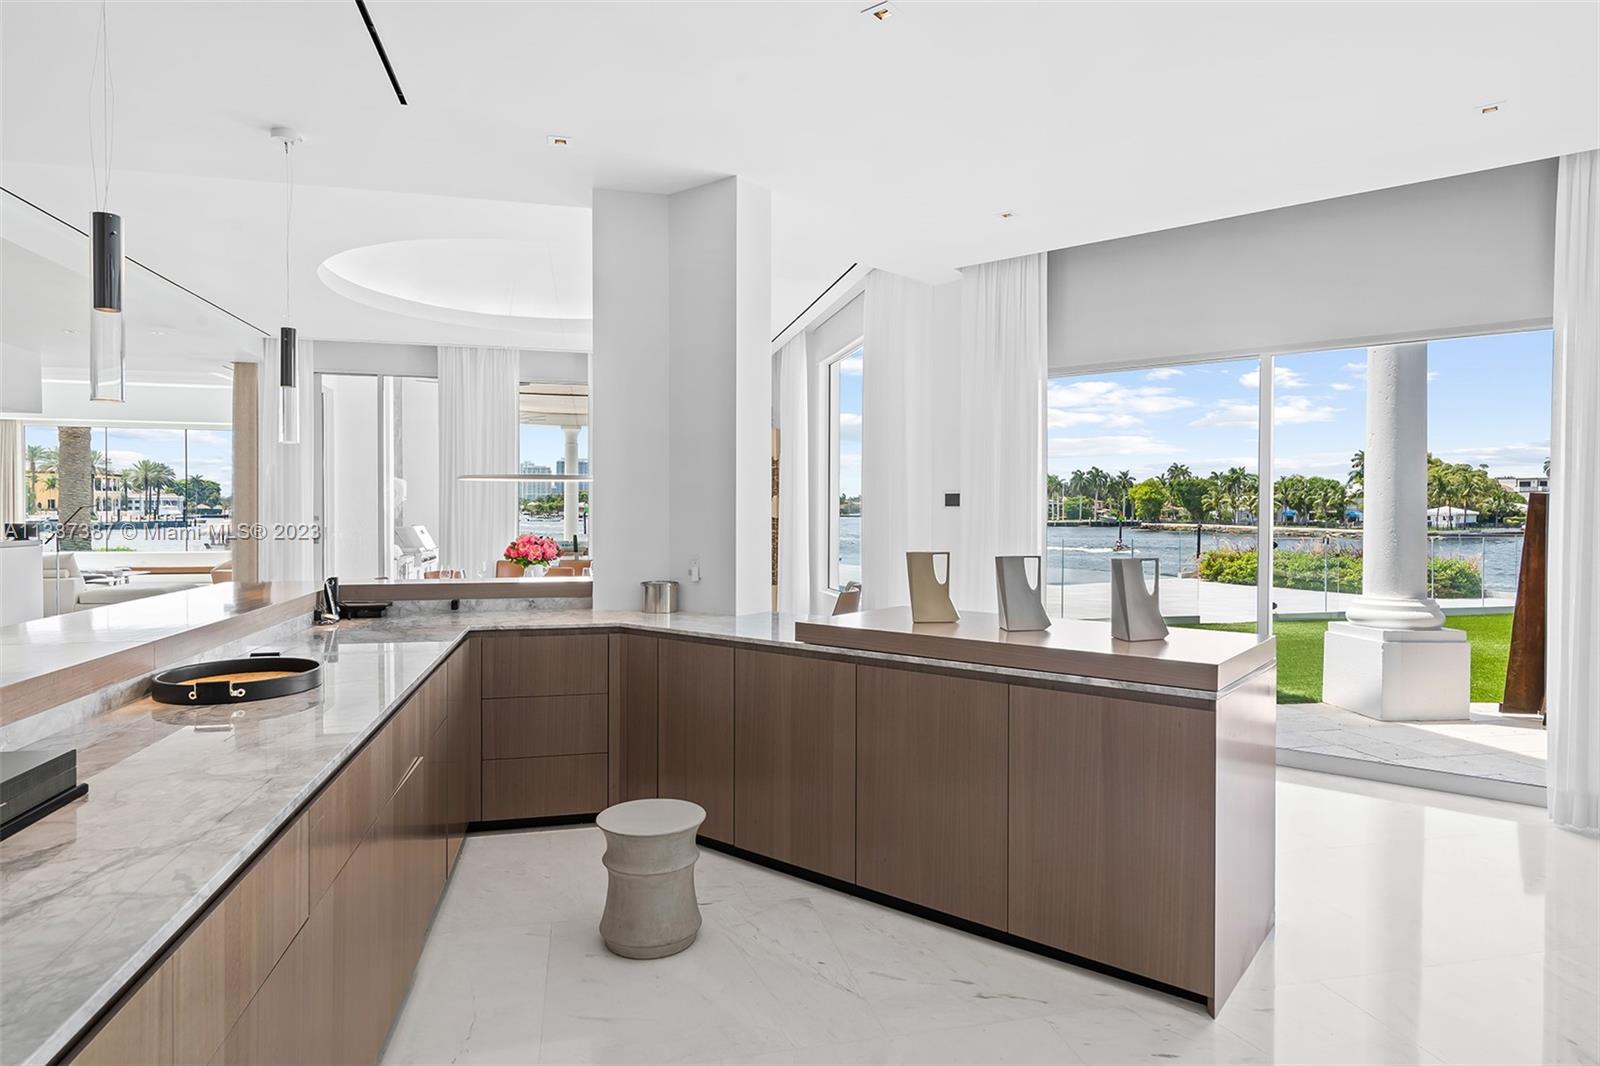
1159, 463
130, 489
844, 467
554, 425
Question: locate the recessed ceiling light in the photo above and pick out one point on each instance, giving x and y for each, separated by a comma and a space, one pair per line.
555, 141
69, 332
881, 12
1491, 109
1005, 215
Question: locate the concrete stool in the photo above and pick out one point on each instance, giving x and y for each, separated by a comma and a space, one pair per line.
651, 910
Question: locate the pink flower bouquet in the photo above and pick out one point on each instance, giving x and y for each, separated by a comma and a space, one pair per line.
529, 550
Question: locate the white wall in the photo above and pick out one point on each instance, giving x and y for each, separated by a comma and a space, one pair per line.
1459, 256
628, 435
419, 451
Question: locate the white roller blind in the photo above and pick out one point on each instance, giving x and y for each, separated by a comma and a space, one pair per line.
1453, 257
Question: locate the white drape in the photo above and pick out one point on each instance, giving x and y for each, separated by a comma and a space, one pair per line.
1572, 666
287, 473
13, 472
896, 472
477, 435
1003, 372
794, 484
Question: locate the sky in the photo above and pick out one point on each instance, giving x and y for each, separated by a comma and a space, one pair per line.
1488, 402
210, 450
850, 368
544, 445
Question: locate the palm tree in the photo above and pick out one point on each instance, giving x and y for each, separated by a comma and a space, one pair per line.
1096, 481
148, 476
39, 458
1358, 470
1547, 466
1175, 473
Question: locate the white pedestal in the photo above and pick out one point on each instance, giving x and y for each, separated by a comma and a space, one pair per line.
1397, 675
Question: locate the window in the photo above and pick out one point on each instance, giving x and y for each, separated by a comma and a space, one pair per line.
844, 467
131, 489
554, 424
1160, 462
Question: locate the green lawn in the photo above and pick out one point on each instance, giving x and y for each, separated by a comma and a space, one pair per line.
1300, 655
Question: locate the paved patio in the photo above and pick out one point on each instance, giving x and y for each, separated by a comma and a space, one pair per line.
1210, 601
1509, 753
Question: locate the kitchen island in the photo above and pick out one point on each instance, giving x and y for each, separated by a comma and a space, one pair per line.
1075, 814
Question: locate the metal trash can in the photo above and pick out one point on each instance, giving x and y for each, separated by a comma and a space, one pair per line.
660, 597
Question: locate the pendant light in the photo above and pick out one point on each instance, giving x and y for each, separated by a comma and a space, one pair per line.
288, 347
107, 333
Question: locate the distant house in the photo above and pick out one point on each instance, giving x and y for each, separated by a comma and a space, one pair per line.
1525, 485
1451, 518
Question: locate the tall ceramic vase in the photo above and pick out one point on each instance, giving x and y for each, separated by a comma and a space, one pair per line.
930, 597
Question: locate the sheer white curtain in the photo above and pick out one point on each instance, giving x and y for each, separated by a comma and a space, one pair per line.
1003, 378
287, 472
477, 435
1573, 668
794, 482
13, 461
896, 472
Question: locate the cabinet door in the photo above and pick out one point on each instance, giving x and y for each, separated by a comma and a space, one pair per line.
464, 682
695, 706
228, 955
931, 791
633, 716
795, 760
141, 1029
543, 664
1111, 831
529, 726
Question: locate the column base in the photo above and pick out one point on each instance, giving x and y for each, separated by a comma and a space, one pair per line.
1397, 675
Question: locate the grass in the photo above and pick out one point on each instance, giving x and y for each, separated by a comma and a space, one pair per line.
1300, 655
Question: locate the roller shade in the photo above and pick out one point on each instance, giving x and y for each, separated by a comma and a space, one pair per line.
1454, 257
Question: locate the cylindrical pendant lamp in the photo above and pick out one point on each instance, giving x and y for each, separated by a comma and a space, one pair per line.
107, 335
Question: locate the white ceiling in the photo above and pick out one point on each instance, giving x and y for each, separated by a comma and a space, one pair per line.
894, 144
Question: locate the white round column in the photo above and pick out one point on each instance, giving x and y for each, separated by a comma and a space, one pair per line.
1392, 658
569, 508
1394, 534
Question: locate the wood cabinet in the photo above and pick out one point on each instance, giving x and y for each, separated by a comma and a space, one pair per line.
462, 750
694, 693
552, 786
795, 760
931, 791
528, 726
1111, 817
218, 967
633, 716
543, 664
141, 1029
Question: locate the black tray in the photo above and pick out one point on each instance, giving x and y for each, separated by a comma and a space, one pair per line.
178, 685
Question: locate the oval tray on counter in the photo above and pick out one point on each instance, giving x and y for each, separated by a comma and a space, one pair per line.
258, 677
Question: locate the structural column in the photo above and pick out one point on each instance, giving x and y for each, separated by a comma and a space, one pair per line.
1392, 658
569, 506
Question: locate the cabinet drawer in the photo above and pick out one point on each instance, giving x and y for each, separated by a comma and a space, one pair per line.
544, 787
544, 664
544, 725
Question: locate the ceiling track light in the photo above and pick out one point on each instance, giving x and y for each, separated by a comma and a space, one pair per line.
288, 340
881, 12
557, 141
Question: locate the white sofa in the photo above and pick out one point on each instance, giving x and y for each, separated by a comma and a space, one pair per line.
66, 591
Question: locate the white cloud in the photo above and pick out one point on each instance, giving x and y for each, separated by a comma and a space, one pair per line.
1084, 451
1341, 386
1433, 375
1164, 373
1525, 458
849, 418
1116, 399
1357, 369
1286, 410
1067, 419
1282, 378
850, 364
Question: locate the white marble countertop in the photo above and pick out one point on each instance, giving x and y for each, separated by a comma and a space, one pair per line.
180, 799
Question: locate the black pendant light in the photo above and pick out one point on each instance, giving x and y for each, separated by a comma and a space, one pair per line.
107, 333
288, 346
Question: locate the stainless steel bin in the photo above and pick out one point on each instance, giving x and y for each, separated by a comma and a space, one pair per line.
660, 597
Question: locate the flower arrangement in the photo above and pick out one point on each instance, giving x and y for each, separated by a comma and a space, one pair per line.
529, 551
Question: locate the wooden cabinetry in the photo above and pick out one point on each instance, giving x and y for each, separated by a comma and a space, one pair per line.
694, 693
141, 1029
462, 754
633, 716
931, 791
795, 760
543, 664
1111, 831
529, 726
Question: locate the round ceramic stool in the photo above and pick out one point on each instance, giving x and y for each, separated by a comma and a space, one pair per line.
651, 911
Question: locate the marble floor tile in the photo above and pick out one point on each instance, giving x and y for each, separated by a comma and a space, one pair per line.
1412, 927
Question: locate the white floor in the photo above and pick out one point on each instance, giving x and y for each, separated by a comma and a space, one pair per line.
1412, 927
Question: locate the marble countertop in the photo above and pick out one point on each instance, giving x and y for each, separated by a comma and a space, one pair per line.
181, 798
